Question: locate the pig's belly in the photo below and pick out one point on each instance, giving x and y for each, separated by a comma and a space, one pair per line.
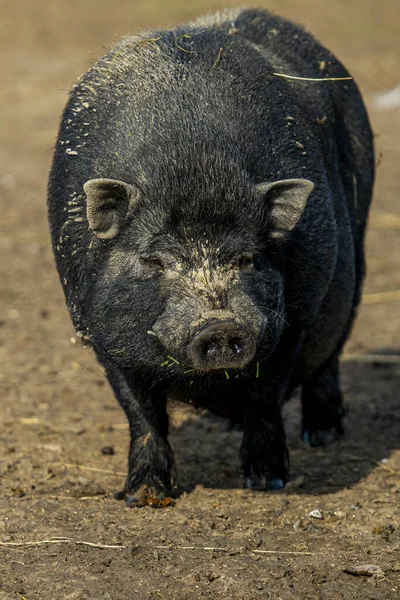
225, 399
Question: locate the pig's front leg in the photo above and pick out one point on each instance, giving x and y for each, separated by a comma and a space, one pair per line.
264, 455
150, 464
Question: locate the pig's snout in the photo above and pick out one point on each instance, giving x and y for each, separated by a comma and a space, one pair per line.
221, 345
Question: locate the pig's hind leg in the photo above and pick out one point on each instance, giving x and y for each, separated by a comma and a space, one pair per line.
322, 405
150, 463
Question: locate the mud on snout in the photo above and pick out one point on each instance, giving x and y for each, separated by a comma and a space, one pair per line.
209, 322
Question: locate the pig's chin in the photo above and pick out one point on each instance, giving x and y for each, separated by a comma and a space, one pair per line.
211, 363
224, 368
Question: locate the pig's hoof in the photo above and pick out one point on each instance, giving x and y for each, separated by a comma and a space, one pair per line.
321, 437
231, 425
121, 495
146, 496
275, 484
257, 483
254, 483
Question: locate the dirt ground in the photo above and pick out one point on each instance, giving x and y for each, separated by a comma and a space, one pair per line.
57, 412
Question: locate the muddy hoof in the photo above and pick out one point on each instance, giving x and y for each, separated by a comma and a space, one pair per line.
231, 425
146, 496
321, 437
254, 483
275, 484
260, 483
121, 495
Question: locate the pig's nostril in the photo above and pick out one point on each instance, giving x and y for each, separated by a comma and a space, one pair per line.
210, 348
215, 346
236, 346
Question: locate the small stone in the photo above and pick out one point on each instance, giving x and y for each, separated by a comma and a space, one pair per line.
339, 514
295, 483
75, 429
52, 448
108, 450
316, 514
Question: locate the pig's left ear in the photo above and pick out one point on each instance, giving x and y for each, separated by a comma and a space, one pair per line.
286, 201
107, 205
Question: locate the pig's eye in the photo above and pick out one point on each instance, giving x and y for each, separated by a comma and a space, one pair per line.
153, 262
244, 261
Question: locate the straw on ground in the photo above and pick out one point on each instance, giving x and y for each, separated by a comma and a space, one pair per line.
67, 540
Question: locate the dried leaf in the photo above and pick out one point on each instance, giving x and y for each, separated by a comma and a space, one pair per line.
366, 570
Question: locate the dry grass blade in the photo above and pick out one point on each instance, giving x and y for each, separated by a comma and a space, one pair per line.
66, 540
37, 543
217, 59
61, 540
191, 548
93, 545
371, 358
84, 468
384, 221
313, 78
283, 552
381, 297
386, 468
216, 549
98, 498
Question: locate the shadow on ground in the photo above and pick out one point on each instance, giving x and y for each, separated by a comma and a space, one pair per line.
207, 455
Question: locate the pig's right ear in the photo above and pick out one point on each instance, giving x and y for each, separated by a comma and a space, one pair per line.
107, 205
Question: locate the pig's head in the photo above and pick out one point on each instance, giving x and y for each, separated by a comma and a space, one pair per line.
188, 281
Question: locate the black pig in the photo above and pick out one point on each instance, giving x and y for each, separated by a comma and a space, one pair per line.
207, 215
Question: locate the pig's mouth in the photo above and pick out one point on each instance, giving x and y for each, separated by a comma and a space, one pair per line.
221, 345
